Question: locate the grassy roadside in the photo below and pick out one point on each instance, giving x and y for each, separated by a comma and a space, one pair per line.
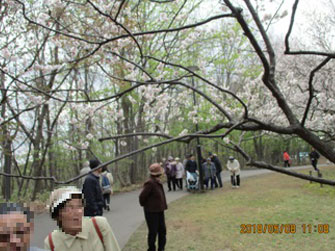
212, 221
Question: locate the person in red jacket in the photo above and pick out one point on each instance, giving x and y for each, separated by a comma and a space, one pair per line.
286, 158
152, 199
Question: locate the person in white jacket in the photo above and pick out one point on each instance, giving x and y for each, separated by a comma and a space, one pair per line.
180, 171
234, 167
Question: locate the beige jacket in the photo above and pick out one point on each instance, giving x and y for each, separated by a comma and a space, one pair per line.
110, 178
87, 239
234, 167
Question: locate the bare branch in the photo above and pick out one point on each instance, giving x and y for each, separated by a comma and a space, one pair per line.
261, 164
311, 88
264, 36
287, 37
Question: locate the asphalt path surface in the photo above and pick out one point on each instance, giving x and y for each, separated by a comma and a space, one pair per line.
126, 214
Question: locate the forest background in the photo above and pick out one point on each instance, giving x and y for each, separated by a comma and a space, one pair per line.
133, 81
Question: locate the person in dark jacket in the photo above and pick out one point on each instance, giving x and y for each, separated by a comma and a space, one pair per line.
92, 191
314, 156
191, 165
152, 199
209, 172
218, 167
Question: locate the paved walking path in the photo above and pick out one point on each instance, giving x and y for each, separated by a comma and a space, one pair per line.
126, 215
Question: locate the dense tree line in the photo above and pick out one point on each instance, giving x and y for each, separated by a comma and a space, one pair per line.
115, 80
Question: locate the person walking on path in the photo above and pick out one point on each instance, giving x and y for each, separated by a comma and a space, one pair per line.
76, 232
209, 172
218, 167
106, 184
152, 199
179, 173
16, 227
170, 171
314, 156
86, 169
92, 191
287, 159
234, 167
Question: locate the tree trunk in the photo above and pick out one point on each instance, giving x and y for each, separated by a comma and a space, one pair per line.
6, 143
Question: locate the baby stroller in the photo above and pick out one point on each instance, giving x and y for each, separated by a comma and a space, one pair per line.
192, 181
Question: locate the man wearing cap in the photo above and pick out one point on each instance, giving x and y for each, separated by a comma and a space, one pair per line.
234, 167
152, 199
16, 227
92, 191
76, 232
218, 168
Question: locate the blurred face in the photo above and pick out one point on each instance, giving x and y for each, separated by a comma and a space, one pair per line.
208, 161
231, 160
71, 216
14, 232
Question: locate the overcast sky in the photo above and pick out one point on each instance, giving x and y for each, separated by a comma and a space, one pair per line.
305, 8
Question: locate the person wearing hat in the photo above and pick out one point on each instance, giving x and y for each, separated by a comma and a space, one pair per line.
179, 173
152, 199
76, 232
218, 168
170, 172
16, 227
94, 202
209, 172
234, 167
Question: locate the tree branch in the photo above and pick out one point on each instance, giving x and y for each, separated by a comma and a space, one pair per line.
311, 88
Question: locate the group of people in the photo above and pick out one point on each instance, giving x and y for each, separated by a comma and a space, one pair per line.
211, 167
313, 155
152, 197
76, 232
174, 171
97, 188
78, 214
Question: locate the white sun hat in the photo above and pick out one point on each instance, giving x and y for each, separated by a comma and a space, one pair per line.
61, 195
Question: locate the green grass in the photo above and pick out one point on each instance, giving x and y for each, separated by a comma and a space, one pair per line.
212, 221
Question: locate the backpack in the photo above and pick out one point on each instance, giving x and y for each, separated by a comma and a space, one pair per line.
97, 229
106, 185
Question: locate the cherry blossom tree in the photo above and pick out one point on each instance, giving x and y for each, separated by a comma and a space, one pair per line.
73, 72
